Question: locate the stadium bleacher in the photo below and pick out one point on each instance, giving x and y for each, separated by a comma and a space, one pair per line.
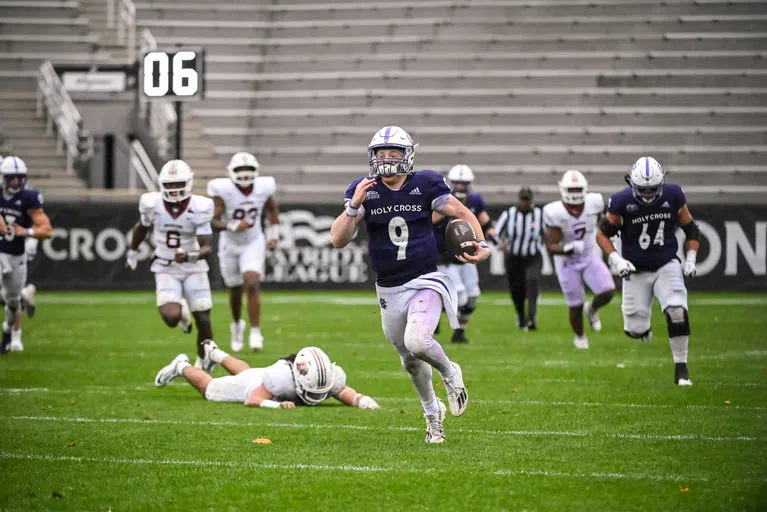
519, 90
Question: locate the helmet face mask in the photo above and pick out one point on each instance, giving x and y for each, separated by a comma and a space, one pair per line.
460, 178
388, 163
176, 181
313, 375
13, 172
243, 169
646, 180
460, 189
573, 188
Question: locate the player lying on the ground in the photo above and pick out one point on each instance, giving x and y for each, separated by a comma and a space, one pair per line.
305, 378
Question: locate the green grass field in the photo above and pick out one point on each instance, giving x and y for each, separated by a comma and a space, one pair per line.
548, 427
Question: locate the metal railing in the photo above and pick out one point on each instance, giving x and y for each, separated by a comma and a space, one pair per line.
141, 166
126, 24
62, 117
159, 113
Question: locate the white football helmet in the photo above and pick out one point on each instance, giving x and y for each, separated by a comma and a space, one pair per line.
392, 137
573, 187
460, 177
247, 169
13, 167
646, 180
176, 171
313, 375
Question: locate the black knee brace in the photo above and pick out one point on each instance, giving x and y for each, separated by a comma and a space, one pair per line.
678, 321
637, 336
469, 308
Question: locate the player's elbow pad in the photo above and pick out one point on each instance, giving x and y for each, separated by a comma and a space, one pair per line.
691, 231
608, 228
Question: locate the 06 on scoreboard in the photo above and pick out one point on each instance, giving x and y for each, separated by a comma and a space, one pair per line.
173, 75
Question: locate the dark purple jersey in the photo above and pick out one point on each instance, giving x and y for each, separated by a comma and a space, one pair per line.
15, 210
401, 242
648, 232
476, 204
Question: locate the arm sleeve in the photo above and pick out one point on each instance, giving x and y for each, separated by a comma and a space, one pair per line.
267, 185
339, 379
278, 380
614, 206
438, 191
600, 202
205, 217
212, 190
681, 197
549, 219
145, 207
34, 200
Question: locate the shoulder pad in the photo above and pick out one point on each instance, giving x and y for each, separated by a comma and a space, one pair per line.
205, 207
148, 201
266, 185
215, 187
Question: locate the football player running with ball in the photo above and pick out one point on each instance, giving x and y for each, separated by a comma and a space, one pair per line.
183, 236
305, 378
646, 214
396, 206
571, 226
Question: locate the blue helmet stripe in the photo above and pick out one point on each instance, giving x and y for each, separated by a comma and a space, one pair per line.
647, 167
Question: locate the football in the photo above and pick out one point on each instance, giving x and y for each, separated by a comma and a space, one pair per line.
459, 236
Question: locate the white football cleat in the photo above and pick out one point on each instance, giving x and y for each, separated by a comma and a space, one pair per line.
581, 342
256, 340
207, 363
435, 434
457, 394
238, 335
28, 294
593, 316
16, 345
186, 317
170, 372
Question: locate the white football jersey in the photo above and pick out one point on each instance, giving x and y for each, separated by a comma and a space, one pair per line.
172, 233
278, 380
583, 227
241, 206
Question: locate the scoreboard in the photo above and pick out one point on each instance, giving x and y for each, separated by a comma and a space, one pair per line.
175, 75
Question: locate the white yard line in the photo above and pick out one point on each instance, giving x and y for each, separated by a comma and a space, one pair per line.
600, 475
358, 301
543, 403
529, 433
209, 463
344, 468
